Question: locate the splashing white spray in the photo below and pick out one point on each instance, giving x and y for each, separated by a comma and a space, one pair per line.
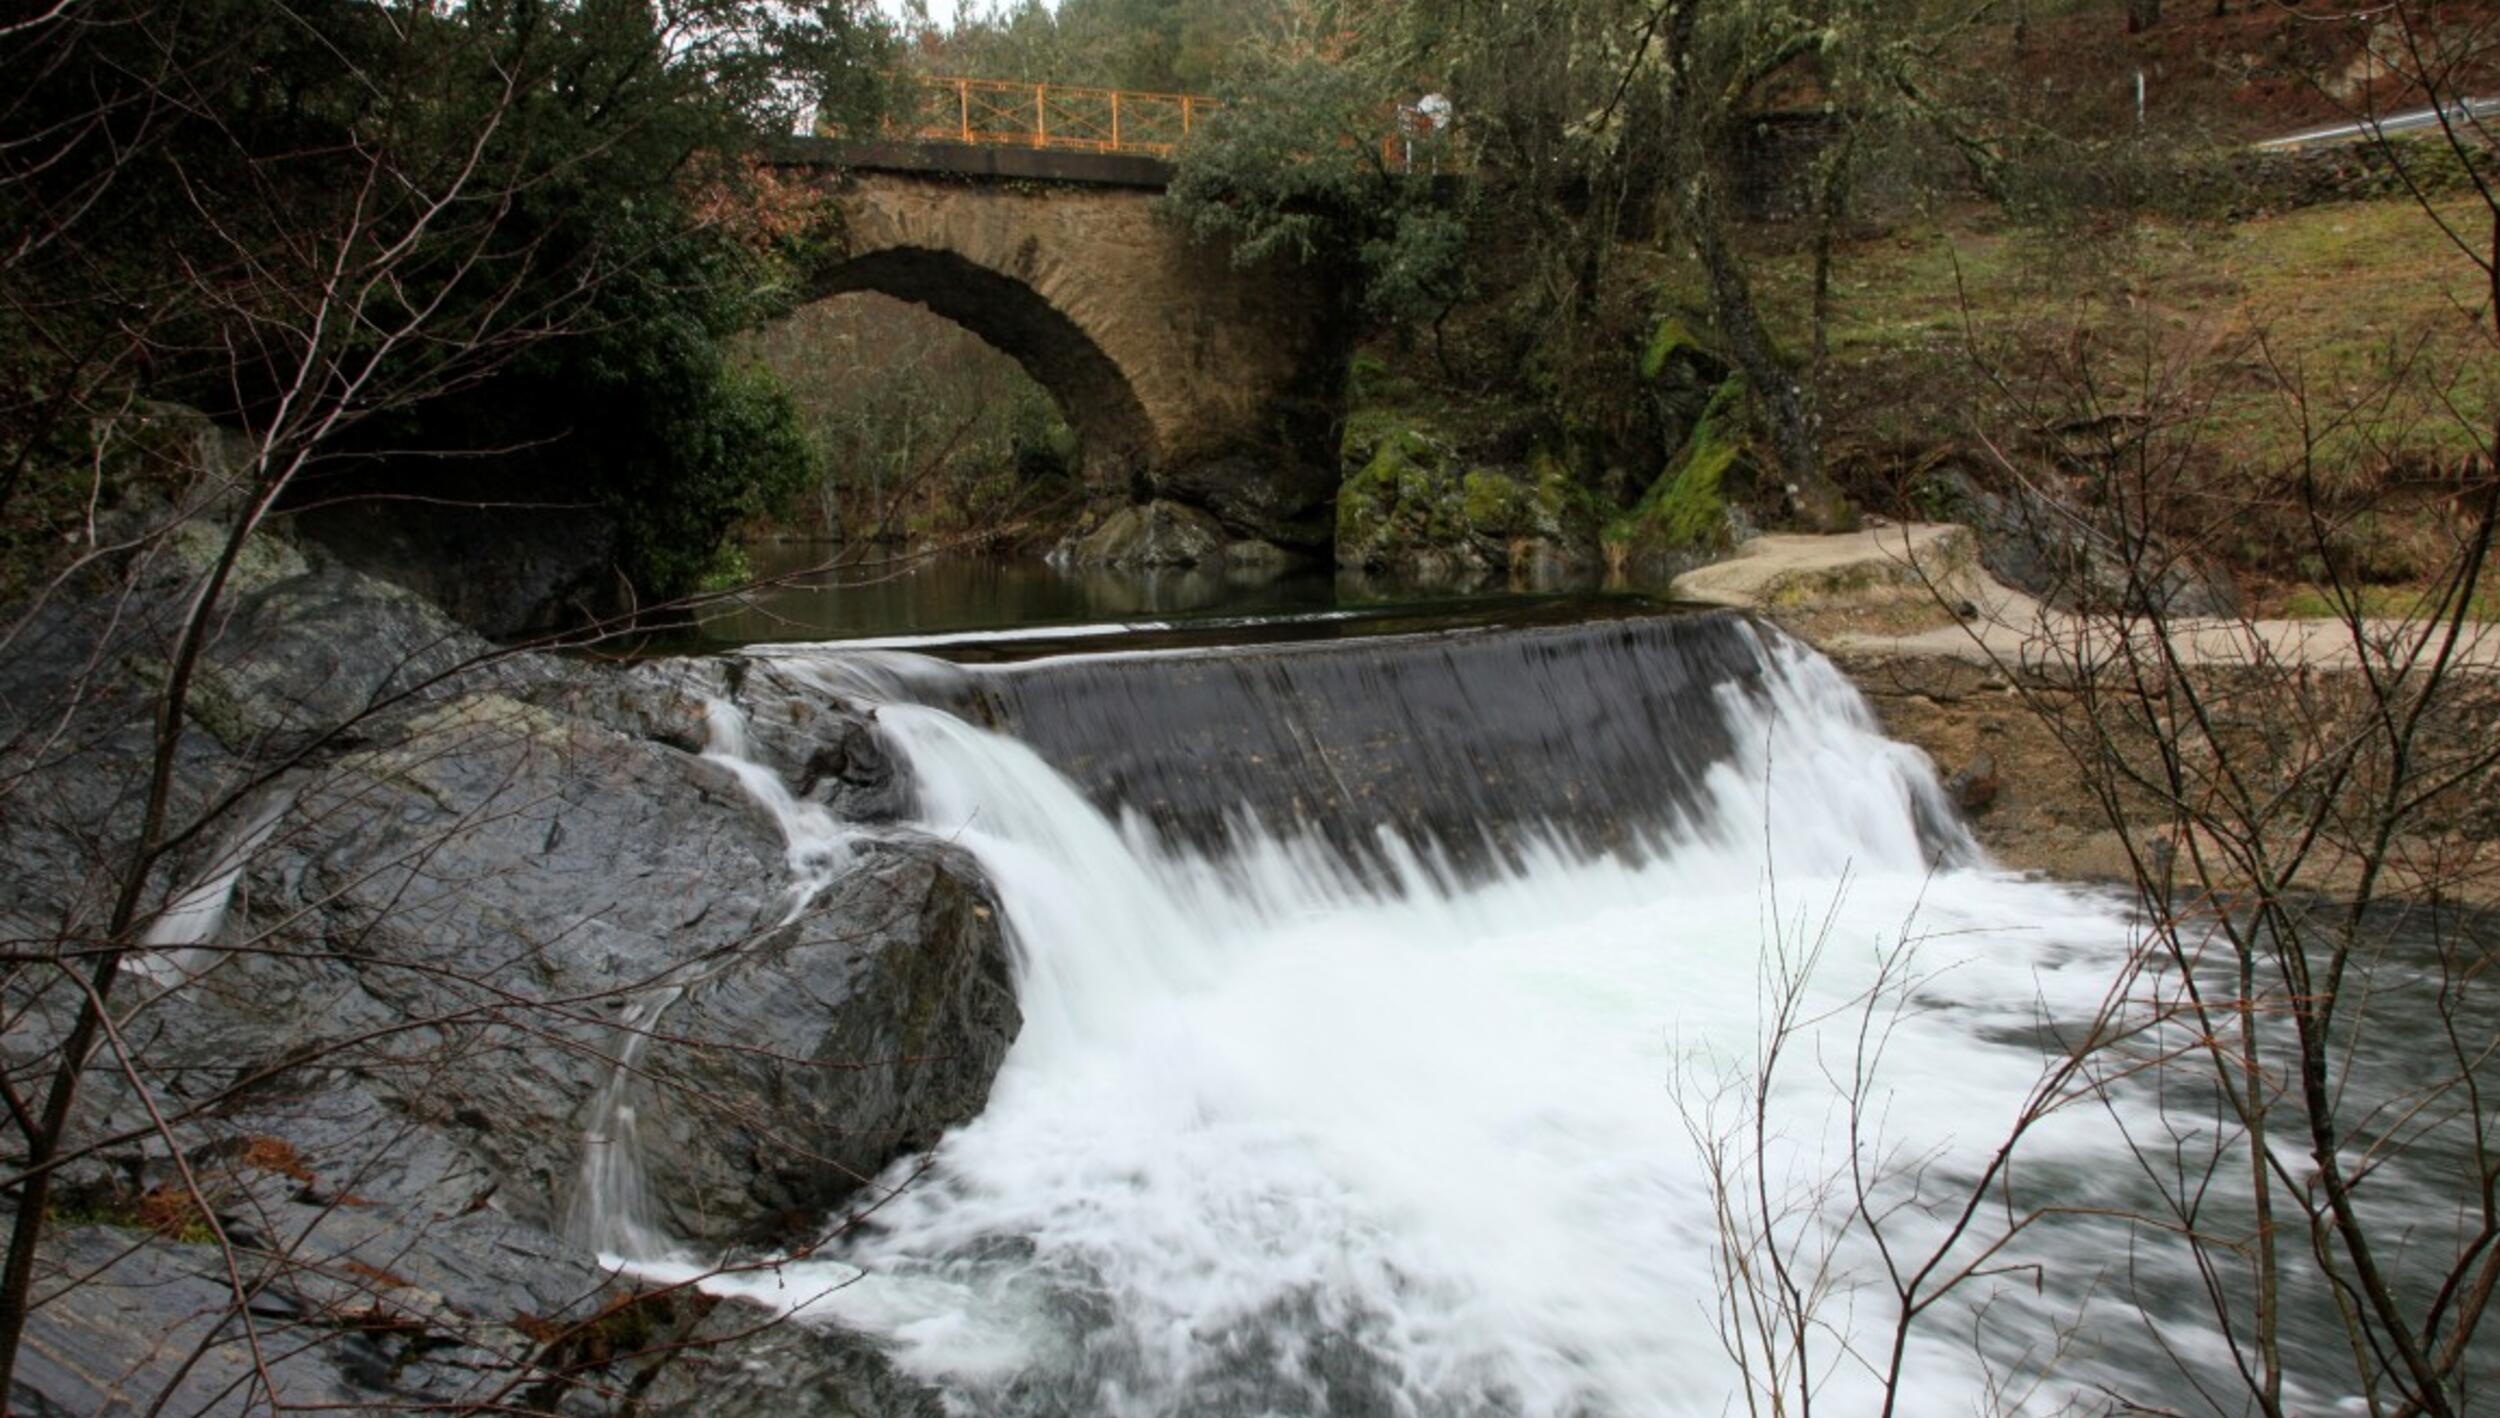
1283, 1137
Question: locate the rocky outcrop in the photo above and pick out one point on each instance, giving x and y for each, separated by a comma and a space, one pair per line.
439, 892
1279, 495
501, 570
1150, 535
473, 1315
2067, 555
535, 877
858, 1034
1921, 568
788, 1371
1410, 510
1164, 535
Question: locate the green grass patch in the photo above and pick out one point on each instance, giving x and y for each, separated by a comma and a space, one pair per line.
2386, 603
2366, 308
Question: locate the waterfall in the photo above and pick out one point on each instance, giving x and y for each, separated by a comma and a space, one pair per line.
170, 953
1600, 734
1375, 994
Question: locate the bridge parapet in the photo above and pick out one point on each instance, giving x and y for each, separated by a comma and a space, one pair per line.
1060, 117
979, 162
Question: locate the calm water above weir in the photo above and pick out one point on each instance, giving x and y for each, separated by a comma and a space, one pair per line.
947, 596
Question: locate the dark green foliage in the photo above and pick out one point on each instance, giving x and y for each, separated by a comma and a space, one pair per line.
527, 197
1301, 165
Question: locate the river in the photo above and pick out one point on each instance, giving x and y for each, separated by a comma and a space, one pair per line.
811, 592
1396, 978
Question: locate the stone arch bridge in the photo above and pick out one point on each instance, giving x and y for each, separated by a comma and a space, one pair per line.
1184, 378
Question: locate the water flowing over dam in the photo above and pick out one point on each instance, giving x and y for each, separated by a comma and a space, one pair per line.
1383, 1001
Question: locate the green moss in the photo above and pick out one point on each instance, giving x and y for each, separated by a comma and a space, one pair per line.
264, 561
1687, 506
215, 705
1445, 516
1494, 501
1408, 499
1565, 509
1369, 498
1693, 511
162, 1212
1672, 338
1368, 430
1366, 375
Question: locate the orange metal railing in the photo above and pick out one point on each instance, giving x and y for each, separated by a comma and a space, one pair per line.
1003, 113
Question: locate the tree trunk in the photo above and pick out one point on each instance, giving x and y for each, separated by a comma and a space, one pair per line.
1701, 132
1786, 403
2142, 15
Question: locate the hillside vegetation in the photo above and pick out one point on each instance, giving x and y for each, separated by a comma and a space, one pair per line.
1711, 267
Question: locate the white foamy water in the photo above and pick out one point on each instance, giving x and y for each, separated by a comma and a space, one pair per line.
170, 952
1278, 1138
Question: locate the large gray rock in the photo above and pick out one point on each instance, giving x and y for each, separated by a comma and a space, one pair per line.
859, 1034
497, 885
512, 883
316, 655
502, 570
154, 1319
823, 751
1151, 535
380, 1320
2066, 554
461, 870
1272, 495
792, 1370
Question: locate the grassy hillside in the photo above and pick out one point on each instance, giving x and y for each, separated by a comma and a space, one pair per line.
2349, 341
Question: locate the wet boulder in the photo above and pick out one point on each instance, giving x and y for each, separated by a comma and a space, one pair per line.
1974, 788
324, 654
746, 1368
1149, 536
824, 749
524, 892
416, 890
792, 1074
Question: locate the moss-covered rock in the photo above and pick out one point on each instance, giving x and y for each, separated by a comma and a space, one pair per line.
1409, 509
1686, 517
1672, 345
197, 546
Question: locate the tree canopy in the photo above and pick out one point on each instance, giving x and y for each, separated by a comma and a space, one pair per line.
436, 206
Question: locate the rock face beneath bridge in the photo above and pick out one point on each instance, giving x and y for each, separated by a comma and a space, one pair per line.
1185, 378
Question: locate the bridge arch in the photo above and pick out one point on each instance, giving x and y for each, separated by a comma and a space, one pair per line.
1185, 376
1116, 439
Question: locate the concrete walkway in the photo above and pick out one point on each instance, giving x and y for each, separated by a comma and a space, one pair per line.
1918, 590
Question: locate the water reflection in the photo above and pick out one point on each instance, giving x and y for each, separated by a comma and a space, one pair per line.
817, 595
